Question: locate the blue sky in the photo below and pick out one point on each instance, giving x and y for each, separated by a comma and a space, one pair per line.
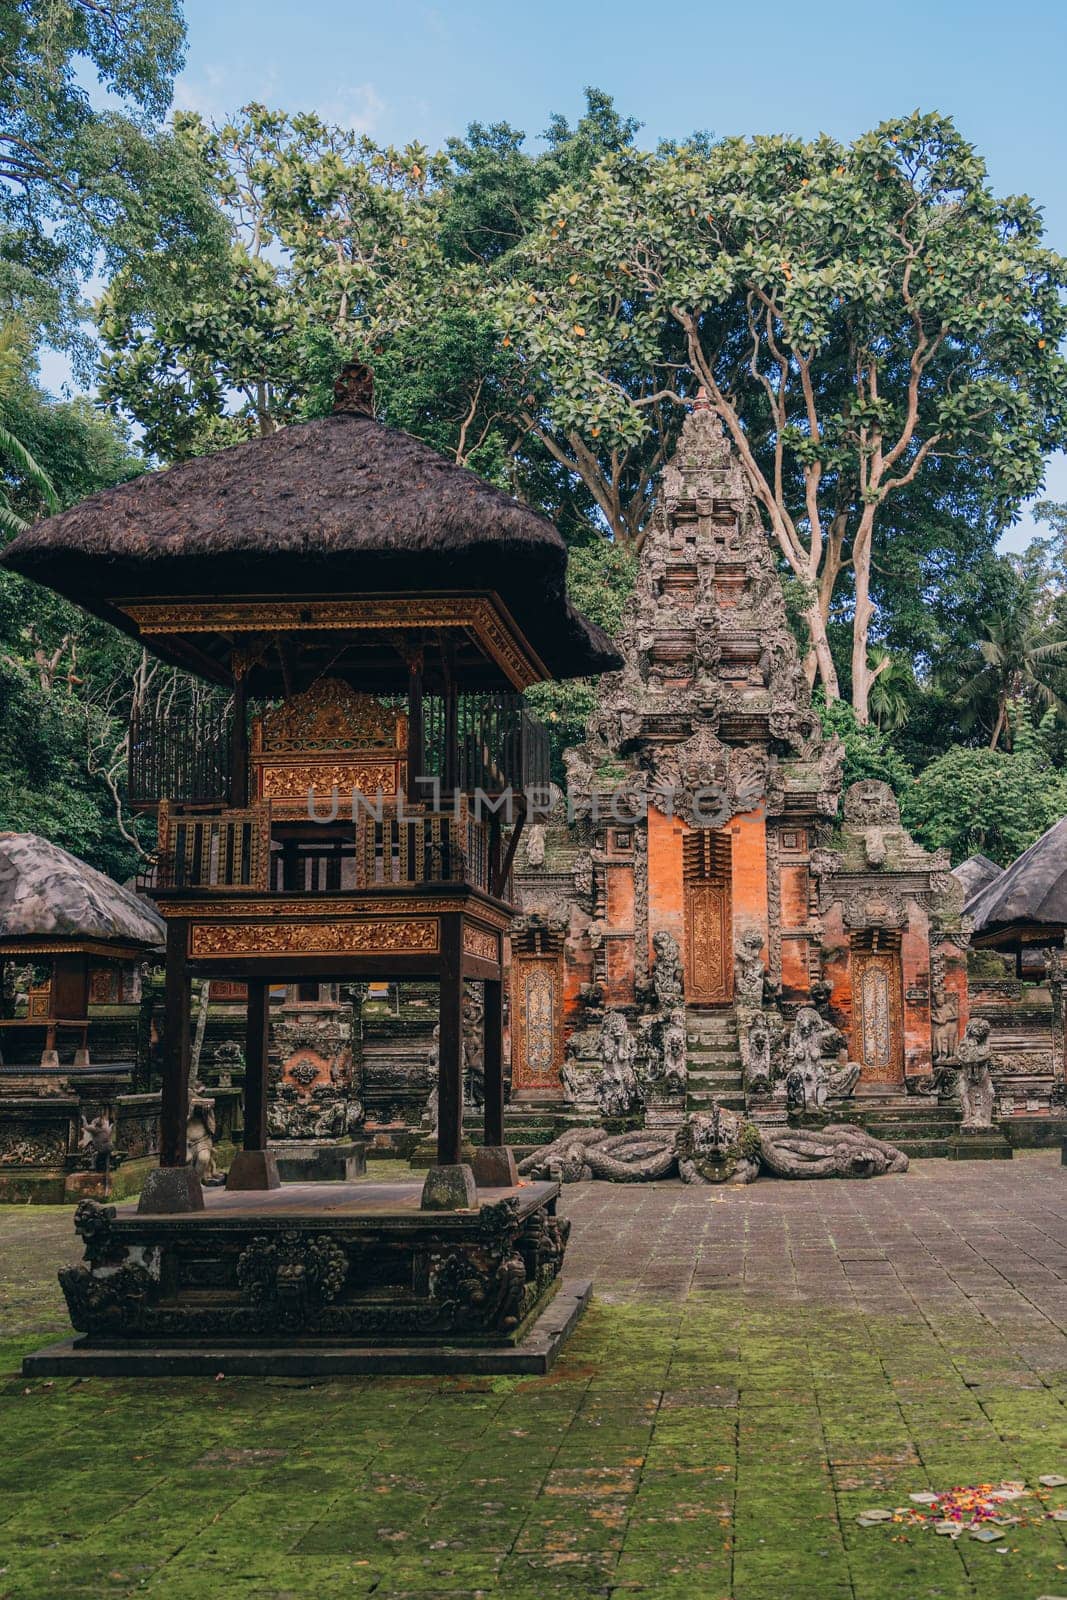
423, 71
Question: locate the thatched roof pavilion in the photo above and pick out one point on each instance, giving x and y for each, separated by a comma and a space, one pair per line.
51, 900
47, 895
1027, 904
975, 874
342, 505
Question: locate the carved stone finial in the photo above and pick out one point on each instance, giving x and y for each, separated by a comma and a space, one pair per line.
702, 403
353, 392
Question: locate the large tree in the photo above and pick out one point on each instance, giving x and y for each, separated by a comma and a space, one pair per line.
338, 244
859, 315
90, 182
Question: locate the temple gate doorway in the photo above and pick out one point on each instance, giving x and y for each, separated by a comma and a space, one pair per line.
709, 952
877, 988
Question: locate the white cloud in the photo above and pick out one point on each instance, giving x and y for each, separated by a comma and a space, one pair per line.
216, 94
357, 106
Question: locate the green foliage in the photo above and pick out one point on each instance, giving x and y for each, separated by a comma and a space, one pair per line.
600, 578
990, 801
82, 186
61, 704
868, 751
865, 318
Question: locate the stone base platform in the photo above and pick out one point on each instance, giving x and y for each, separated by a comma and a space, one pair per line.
319, 1160
533, 1354
319, 1269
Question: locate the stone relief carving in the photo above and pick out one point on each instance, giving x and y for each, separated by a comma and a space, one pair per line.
667, 978
944, 1024
809, 1081
756, 1057
976, 1076
749, 971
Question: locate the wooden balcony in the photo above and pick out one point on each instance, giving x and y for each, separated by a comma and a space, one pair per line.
219, 850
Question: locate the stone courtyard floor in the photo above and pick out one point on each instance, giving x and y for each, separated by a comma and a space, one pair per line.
758, 1367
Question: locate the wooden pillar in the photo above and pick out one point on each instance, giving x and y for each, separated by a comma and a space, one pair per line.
257, 1043
239, 745
494, 1061
176, 1048
416, 730
451, 708
255, 1167
450, 1056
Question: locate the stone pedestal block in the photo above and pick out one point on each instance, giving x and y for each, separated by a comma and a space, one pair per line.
253, 1169
170, 1190
449, 1189
979, 1144
319, 1161
494, 1167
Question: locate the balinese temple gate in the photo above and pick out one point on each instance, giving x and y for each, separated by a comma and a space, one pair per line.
380, 611
712, 917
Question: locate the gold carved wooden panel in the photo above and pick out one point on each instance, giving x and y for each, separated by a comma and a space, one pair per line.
877, 1009
480, 942
294, 781
537, 1024
410, 936
708, 949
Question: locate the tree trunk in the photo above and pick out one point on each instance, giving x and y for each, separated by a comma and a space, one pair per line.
862, 677
820, 649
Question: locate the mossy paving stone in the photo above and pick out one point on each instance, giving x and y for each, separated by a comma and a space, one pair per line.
812, 1380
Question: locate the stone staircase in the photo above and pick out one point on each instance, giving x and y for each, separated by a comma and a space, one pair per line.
917, 1126
714, 1061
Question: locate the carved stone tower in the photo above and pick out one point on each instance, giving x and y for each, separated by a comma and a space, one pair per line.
704, 806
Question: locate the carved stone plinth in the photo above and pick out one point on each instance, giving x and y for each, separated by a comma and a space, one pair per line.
979, 1144
367, 1266
168, 1191
449, 1189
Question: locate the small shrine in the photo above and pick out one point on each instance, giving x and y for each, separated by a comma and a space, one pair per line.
370, 614
704, 918
72, 1104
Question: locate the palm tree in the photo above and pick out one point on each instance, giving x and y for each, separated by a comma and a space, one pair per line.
892, 690
1020, 650
14, 455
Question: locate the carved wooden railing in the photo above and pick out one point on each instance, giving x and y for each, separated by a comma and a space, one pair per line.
433, 847
232, 850
219, 849
180, 753
499, 744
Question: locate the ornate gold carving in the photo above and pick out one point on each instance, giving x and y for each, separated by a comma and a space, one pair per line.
319, 906
297, 781
480, 942
484, 615
383, 936
329, 716
537, 1021
878, 1024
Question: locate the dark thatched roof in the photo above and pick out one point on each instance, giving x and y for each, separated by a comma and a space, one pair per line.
47, 893
1032, 892
343, 505
974, 874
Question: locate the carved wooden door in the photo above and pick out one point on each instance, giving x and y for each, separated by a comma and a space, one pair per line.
878, 1034
709, 962
536, 1024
